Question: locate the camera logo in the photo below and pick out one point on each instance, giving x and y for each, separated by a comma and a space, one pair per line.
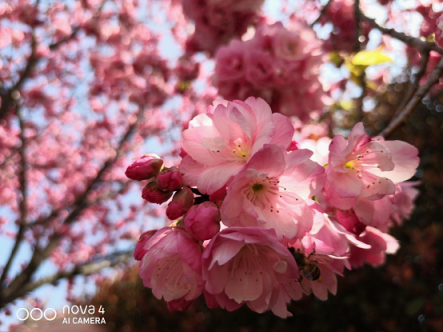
36, 314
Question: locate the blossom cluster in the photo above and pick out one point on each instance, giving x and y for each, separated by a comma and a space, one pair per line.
217, 22
340, 13
257, 221
280, 65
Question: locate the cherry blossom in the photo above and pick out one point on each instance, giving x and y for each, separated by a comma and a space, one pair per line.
280, 65
247, 265
381, 244
368, 167
171, 266
219, 145
272, 191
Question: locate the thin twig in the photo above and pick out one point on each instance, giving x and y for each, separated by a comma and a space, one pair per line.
322, 12
418, 96
359, 101
414, 83
8, 96
357, 46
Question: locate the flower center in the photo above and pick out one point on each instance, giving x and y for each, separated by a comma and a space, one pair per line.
350, 164
256, 187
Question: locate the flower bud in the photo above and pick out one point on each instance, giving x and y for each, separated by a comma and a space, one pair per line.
180, 204
292, 146
179, 304
154, 195
170, 179
139, 251
144, 167
439, 31
203, 221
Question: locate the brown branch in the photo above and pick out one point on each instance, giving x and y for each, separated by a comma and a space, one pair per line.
359, 100
20, 281
421, 45
414, 83
322, 13
418, 96
8, 97
84, 269
54, 46
357, 46
23, 208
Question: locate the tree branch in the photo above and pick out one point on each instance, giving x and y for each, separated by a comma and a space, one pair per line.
421, 45
414, 83
359, 100
20, 281
8, 96
23, 206
84, 269
322, 13
418, 96
357, 11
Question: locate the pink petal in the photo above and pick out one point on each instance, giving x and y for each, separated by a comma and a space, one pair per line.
284, 130
213, 178
226, 127
405, 159
269, 160
346, 185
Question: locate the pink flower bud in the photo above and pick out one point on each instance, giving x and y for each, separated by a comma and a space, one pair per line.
179, 305
170, 179
292, 146
203, 221
139, 251
180, 204
144, 167
154, 195
439, 31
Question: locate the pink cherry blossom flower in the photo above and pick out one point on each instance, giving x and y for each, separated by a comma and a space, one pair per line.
279, 65
217, 22
139, 251
320, 148
381, 244
272, 190
249, 265
368, 167
202, 221
171, 266
329, 237
375, 213
403, 200
219, 145
317, 273
350, 221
